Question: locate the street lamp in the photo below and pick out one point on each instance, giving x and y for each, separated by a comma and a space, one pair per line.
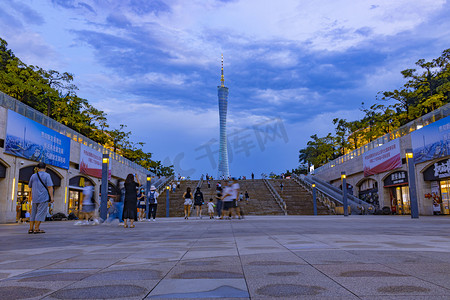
104, 187
314, 198
344, 194
167, 200
149, 180
412, 184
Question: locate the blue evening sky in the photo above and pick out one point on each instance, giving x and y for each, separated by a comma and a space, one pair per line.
291, 66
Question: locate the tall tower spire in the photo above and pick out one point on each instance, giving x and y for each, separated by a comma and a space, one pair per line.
222, 78
224, 171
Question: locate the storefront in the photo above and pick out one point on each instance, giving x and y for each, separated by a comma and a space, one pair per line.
76, 185
23, 190
438, 175
368, 191
397, 183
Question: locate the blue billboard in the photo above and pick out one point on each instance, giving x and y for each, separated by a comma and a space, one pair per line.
431, 141
31, 140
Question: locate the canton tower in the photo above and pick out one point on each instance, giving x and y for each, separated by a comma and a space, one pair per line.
223, 104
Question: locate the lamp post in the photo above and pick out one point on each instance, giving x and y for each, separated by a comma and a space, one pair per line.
412, 184
167, 200
344, 193
104, 187
149, 180
314, 198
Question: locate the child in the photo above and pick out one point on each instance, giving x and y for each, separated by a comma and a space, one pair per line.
211, 208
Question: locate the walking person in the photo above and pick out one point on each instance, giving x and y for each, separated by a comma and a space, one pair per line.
88, 204
281, 187
253, 176
129, 208
211, 208
198, 202
117, 203
174, 187
41, 186
187, 203
142, 205
246, 196
219, 202
152, 202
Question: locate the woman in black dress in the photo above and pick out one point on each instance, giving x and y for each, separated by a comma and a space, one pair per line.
130, 205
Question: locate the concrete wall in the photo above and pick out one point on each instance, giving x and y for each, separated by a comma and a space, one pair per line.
14, 164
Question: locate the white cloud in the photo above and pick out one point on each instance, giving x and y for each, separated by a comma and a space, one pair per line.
302, 96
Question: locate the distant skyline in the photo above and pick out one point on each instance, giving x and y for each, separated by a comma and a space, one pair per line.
291, 67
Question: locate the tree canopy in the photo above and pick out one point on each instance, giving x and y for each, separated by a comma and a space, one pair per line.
54, 94
427, 88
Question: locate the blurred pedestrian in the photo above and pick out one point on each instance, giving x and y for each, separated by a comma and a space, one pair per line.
219, 202
281, 187
130, 205
187, 203
41, 186
246, 196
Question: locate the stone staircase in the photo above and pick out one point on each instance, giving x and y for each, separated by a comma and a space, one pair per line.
298, 200
261, 201
176, 208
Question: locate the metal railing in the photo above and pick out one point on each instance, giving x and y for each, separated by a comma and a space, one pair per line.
328, 202
357, 205
161, 185
276, 196
431, 117
23, 109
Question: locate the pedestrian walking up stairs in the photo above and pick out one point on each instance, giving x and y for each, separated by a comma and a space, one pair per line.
176, 201
261, 200
297, 199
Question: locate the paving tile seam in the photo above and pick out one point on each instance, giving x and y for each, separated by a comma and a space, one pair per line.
240, 260
191, 244
421, 279
271, 237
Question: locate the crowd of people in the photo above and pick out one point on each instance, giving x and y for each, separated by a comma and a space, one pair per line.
131, 202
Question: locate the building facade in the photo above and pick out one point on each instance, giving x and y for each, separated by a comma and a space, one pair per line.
28, 136
223, 171
385, 183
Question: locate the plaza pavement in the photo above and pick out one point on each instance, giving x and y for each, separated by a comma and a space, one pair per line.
264, 257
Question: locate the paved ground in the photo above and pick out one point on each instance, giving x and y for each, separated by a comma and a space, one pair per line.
293, 257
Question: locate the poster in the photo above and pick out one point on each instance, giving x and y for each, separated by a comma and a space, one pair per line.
91, 162
31, 140
432, 141
383, 158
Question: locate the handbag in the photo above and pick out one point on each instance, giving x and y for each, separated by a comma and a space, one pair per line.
46, 188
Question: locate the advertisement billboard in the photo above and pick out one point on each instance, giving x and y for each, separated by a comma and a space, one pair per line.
431, 141
383, 158
91, 162
31, 140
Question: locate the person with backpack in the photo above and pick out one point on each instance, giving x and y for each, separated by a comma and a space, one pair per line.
41, 186
152, 202
198, 202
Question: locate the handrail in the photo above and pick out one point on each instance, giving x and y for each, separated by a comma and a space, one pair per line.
327, 200
163, 183
15, 105
200, 182
431, 117
336, 194
278, 199
369, 206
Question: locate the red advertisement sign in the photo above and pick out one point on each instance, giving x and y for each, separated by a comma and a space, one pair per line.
383, 158
91, 162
